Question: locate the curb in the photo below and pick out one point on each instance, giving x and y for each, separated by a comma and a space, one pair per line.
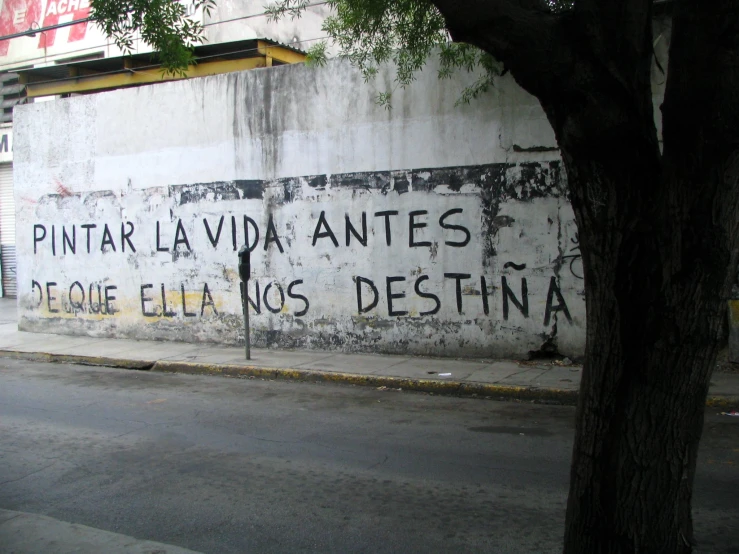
723, 402
104, 361
431, 386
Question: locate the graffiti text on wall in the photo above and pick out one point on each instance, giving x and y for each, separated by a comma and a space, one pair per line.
442, 218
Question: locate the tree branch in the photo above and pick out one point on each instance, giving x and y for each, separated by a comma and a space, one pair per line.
701, 116
523, 34
619, 33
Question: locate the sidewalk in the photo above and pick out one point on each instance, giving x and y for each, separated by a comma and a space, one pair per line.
523, 380
22, 533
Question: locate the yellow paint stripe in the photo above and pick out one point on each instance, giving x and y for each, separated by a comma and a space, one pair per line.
139, 77
734, 309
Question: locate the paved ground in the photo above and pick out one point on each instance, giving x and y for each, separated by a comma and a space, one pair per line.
539, 380
23, 533
251, 465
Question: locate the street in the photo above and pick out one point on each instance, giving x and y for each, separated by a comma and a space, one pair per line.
245, 465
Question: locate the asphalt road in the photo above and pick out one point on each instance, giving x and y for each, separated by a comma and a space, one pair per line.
227, 465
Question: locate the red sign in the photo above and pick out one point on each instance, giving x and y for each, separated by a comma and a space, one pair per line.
21, 15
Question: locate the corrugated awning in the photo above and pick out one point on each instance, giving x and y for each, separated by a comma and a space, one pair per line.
101, 74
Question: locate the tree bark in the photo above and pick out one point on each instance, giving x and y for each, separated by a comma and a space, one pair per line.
659, 236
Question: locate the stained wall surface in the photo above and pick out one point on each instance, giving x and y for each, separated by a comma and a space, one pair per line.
428, 228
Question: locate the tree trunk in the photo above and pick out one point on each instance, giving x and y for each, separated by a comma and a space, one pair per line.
659, 236
655, 318
656, 314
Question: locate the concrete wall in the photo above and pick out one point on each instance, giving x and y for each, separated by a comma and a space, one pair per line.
131, 205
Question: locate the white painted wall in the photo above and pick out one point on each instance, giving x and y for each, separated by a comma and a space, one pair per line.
121, 157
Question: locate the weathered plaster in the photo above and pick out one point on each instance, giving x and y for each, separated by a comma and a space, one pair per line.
481, 256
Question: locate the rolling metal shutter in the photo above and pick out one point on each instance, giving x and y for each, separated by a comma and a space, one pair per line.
7, 230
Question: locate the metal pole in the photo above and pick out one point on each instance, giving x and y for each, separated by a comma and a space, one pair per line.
246, 322
31, 32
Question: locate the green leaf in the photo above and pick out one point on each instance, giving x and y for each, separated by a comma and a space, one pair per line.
162, 24
402, 32
316, 55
